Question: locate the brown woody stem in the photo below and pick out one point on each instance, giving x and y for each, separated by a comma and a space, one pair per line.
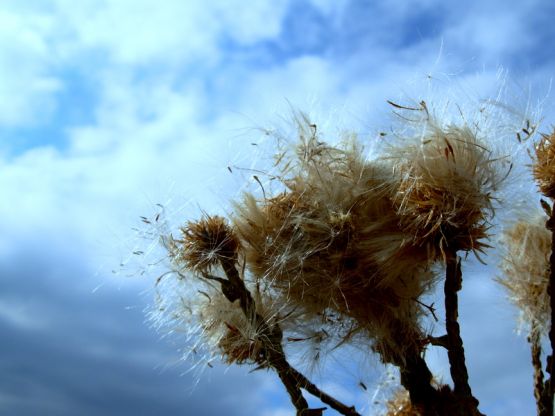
455, 351
234, 289
416, 377
535, 347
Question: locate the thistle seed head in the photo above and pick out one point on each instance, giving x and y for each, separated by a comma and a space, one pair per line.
526, 270
332, 241
446, 183
544, 164
205, 243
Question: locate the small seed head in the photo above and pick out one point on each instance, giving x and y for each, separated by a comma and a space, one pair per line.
205, 243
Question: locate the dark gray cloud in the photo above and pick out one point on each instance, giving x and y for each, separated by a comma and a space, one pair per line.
68, 351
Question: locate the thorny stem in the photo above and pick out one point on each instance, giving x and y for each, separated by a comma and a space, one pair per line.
234, 289
455, 351
535, 346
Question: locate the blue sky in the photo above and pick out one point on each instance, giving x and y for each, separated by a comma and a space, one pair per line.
109, 107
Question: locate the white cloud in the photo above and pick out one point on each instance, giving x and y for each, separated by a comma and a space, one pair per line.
26, 84
37, 44
147, 31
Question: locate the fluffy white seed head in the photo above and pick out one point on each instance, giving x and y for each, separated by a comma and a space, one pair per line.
448, 177
525, 266
332, 241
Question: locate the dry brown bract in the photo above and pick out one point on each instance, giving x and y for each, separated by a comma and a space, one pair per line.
544, 166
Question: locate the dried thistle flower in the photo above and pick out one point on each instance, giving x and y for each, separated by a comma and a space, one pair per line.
526, 269
332, 242
204, 243
544, 165
447, 179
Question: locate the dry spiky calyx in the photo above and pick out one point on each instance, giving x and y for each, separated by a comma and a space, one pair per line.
446, 183
544, 166
205, 243
526, 270
332, 241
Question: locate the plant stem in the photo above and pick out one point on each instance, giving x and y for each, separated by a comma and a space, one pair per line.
535, 347
455, 351
416, 377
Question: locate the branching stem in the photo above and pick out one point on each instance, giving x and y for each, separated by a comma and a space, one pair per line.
234, 289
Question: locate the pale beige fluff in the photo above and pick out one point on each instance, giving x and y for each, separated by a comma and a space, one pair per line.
525, 266
331, 241
216, 327
448, 179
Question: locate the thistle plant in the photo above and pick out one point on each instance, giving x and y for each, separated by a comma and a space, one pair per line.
529, 270
448, 176
331, 243
544, 174
342, 249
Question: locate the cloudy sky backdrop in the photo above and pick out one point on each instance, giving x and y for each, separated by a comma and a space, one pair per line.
110, 107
